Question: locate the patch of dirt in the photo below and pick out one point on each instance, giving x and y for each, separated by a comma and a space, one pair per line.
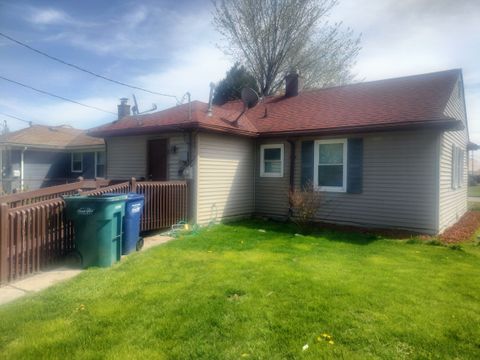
463, 230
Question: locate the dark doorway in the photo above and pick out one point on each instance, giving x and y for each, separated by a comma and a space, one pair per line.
157, 160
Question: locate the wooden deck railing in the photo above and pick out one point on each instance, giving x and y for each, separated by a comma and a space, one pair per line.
52, 192
165, 203
37, 234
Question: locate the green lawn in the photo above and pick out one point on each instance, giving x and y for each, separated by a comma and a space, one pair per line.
474, 190
233, 292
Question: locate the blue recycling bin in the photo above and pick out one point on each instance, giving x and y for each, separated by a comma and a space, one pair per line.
131, 221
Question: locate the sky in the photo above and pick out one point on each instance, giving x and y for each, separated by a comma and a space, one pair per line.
171, 47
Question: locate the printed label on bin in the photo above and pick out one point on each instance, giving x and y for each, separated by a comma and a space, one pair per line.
136, 208
85, 211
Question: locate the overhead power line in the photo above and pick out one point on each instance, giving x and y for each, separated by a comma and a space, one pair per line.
17, 118
56, 96
84, 70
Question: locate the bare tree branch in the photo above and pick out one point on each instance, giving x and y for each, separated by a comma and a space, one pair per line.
271, 37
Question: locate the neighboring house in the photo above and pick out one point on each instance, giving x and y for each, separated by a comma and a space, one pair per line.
388, 153
40, 156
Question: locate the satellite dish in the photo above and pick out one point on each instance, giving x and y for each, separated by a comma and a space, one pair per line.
249, 98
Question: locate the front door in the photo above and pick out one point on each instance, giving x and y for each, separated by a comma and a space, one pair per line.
157, 160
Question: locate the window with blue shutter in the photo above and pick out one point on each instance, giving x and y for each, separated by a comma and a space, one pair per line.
307, 163
355, 166
333, 165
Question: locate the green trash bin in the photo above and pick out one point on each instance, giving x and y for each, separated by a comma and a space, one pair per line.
97, 222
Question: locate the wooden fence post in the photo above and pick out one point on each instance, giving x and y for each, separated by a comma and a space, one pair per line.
4, 231
133, 185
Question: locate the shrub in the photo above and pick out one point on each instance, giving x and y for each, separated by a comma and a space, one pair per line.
304, 204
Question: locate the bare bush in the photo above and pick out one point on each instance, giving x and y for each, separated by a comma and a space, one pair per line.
304, 204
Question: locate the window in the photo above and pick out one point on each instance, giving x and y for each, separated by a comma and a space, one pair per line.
458, 165
330, 160
77, 162
271, 160
100, 164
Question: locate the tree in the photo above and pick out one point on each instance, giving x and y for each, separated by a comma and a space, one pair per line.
272, 37
231, 87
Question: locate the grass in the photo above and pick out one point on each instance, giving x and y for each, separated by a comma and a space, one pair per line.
474, 190
234, 292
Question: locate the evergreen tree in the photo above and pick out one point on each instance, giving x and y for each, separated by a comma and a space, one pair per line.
231, 87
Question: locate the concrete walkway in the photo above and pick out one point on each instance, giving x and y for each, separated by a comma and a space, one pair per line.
45, 279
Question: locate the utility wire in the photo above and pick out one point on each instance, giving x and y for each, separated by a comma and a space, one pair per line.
16, 118
82, 69
56, 96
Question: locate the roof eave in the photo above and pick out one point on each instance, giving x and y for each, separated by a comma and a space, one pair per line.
169, 128
52, 147
444, 124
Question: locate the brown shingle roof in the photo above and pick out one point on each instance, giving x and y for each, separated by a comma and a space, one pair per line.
391, 103
51, 137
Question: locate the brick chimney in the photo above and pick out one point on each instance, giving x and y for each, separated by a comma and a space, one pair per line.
293, 84
123, 108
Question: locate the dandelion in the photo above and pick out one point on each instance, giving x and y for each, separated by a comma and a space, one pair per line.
305, 347
331, 342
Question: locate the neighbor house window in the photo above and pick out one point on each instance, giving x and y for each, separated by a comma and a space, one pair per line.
330, 170
458, 165
77, 162
100, 164
271, 160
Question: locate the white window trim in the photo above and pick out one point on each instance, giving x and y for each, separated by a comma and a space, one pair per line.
96, 163
316, 164
81, 162
263, 173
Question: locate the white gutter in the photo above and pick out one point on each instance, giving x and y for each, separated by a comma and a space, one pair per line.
22, 169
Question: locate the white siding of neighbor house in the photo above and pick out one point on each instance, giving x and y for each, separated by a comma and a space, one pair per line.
453, 202
225, 174
399, 184
127, 155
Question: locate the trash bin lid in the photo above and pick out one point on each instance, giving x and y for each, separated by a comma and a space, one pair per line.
101, 198
135, 196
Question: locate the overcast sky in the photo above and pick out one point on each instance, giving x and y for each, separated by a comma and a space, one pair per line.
170, 47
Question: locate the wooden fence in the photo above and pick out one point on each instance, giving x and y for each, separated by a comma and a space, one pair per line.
34, 232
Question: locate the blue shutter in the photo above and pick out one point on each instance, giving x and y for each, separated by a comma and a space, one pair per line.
307, 163
355, 166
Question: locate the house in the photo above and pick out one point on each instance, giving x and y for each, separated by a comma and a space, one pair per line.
387, 154
40, 156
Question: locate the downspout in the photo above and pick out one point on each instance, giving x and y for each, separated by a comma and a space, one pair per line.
292, 173
292, 164
22, 168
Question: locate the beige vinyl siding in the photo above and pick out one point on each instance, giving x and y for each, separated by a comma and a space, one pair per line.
225, 177
127, 155
271, 193
453, 202
399, 184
